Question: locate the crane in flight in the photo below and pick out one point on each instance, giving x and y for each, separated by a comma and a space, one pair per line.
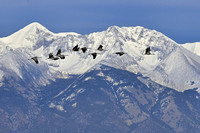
147, 51
76, 48
60, 55
94, 55
84, 49
120, 53
35, 59
100, 48
52, 57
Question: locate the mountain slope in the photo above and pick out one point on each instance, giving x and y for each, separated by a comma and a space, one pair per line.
131, 40
193, 47
134, 92
33, 36
104, 99
179, 71
27, 37
19, 65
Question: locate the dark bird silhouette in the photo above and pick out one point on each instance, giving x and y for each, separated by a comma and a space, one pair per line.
84, 49
94, 55
147, 51
59, 54
120, 53
76, 48
100, 48
52, 57
62, 57
35, 59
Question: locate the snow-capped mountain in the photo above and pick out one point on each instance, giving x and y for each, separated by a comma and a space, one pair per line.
131, 40
109, 93
32, 36
193, 47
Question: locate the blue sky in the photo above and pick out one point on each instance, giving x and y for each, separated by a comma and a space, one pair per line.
177, 19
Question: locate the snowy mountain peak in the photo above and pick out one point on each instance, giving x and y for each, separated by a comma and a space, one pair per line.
193, 47
133, 41
33, 28
112, 28
36, 25
109, 93
27, 36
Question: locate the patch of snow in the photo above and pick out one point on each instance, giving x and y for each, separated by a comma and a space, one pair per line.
74, 105
70, 97
58, 107
80, 91
198, 90
110, 79
88, 78
115, 83
100, 74
52, 105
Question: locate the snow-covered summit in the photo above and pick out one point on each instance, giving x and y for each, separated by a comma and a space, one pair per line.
193, 47
63, 34
26, 37
75, 93
33, 36
162, 65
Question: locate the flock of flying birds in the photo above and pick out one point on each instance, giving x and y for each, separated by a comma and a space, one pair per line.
84, 49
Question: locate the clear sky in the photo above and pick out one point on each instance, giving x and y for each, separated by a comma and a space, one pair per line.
177, 19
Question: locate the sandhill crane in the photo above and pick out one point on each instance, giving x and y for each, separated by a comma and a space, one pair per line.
94, 55
76, 48
120, 53
35, 59
52, 57
147, 51
84, 49
100, 48
59, 54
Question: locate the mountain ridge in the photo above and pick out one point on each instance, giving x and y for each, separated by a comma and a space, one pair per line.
135, 92
131, 40
193, 47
